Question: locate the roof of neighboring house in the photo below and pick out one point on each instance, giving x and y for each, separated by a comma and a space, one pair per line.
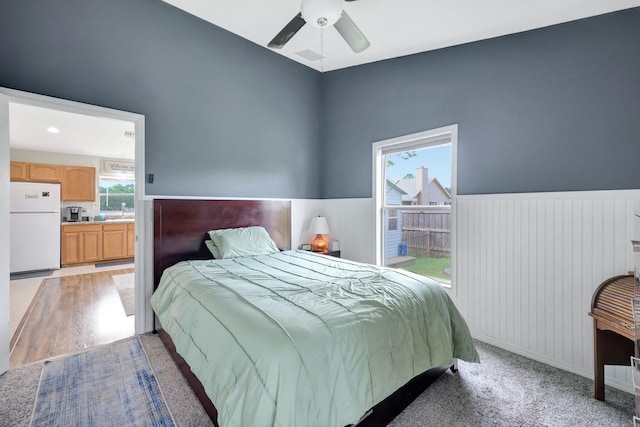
395, 187
411, 189
442, 187
409, 186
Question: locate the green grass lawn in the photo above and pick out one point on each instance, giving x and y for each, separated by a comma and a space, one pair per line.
432, 267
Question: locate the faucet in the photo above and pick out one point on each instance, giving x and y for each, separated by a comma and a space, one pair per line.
124, 205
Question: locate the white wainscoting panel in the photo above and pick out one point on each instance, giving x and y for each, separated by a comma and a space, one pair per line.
351, 221
528, 264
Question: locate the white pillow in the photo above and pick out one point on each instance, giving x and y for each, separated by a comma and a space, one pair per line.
245, 241
213, 249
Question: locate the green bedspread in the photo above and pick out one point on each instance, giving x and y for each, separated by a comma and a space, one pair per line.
301, 339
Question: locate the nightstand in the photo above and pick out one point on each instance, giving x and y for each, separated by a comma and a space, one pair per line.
330, 253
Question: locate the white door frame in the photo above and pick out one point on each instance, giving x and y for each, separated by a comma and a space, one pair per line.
144, 315
4, 232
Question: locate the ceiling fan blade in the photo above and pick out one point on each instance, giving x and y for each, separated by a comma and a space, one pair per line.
287, 32
351, 33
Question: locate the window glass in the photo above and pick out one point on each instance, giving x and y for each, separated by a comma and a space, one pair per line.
117, 195
393, 219
415, 182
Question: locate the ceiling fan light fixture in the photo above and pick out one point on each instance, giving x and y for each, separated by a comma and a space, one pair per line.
321, 13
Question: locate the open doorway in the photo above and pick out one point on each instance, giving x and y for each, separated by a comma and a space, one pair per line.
115, 254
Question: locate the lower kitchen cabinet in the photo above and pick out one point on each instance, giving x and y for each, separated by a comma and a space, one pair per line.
81, 244
89, 243
131, 240
114, 241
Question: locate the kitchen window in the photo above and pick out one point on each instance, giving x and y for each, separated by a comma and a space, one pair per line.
116, 191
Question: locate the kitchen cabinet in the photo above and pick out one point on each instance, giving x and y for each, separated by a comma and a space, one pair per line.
37, 172
19, 171
42, 172
131, 239
81, 244
78, 184
114, 241
84, 243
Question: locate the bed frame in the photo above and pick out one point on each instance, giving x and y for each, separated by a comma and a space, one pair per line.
180, 228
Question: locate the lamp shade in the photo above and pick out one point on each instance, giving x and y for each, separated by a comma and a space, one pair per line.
319, 225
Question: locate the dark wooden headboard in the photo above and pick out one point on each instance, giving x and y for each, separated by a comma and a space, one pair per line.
180, 226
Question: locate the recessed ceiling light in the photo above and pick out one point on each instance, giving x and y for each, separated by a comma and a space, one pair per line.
53, 130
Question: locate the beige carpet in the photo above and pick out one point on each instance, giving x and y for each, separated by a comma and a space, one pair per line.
125, 284
505, 390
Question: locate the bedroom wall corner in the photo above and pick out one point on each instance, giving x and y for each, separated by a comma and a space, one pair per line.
351, 221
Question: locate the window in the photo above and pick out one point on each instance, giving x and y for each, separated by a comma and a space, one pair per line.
116, 191
415, 191
393, 219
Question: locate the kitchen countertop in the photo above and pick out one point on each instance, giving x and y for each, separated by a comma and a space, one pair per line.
107, 221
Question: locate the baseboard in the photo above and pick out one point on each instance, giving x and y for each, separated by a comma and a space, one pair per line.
30, 274
110, 263
613, 382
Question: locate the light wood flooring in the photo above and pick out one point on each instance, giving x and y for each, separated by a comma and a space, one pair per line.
69, 314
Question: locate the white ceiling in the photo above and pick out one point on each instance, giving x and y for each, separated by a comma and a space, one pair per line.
394, 28
79, 134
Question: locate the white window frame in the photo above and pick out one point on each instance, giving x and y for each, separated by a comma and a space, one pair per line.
394, 217
124, 177
429, 138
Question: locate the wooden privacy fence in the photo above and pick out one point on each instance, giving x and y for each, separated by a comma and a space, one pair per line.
427, 233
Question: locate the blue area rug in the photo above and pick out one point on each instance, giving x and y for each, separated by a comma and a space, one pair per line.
112, 385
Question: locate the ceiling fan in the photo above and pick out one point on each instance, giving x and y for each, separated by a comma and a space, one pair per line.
323, 13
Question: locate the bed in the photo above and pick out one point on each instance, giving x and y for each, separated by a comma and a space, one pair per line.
282, 337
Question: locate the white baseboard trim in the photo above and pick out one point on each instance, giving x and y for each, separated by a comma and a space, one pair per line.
613, 382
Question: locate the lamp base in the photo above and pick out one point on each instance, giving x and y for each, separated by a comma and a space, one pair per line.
319, 244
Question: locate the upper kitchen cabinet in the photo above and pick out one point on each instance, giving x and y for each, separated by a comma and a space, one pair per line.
44, 173
78, 184
19, 171
39, 172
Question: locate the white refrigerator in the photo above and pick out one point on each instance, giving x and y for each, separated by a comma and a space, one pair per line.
35, 227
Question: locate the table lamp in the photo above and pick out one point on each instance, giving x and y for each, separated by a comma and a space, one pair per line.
319, 227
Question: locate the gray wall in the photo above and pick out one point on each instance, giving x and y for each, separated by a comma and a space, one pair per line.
555, 109
224, 116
